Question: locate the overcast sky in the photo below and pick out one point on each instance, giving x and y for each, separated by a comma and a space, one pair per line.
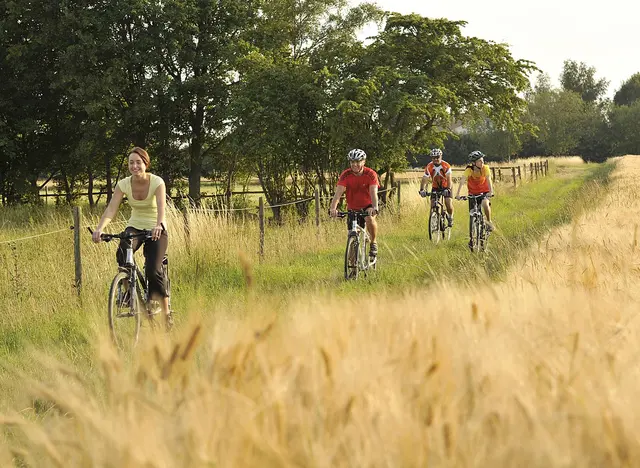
605, 35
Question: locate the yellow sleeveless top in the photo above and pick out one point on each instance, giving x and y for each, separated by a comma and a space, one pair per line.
144, 213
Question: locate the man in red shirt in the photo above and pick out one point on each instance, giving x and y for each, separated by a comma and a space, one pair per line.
439, 172
361, 186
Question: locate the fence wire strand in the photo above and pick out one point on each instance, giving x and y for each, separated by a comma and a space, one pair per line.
32, 237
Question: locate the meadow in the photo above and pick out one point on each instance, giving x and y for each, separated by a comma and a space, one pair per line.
524, 356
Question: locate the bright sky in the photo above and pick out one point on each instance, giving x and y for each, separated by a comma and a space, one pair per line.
604, 35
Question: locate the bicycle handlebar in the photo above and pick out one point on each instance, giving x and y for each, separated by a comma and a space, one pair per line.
123, 235
342, 214
466, 197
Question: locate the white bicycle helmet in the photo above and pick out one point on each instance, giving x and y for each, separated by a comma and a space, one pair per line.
436, 153
356, 155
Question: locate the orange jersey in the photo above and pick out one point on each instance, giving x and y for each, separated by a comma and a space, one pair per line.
438, 174
478, 183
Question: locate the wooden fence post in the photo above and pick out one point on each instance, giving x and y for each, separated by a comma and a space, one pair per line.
398, 189
493, 174
546, 167
535, 166
229, 201
261, 223
500, 174
531, 170
519, 174
513, 174
317, 197
76, 248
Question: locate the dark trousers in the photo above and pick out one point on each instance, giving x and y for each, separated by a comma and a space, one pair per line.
154, 252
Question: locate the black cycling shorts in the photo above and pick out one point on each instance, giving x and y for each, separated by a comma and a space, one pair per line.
445, 192
361, 220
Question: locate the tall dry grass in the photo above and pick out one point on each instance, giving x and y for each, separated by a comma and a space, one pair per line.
539, 370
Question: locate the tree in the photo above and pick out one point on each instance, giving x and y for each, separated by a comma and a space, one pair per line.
287, 91
596, 140
420, 74
559, 117
625, 128
629, 92
580, 78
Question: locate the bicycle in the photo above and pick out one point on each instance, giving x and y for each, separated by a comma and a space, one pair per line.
129, 294
356, 258
478, 232
438, 223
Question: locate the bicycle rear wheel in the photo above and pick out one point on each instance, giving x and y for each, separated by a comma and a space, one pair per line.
351, 258
363, 256
124, 314
445, 230
434, 225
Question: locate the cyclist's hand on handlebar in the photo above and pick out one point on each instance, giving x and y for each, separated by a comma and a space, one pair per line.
333, 213
156, 231
95, 236
458, 197
423, 193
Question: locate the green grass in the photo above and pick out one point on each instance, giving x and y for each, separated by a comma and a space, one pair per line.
39, 307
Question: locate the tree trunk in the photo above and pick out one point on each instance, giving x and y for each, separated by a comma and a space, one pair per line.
90, 188
107, 170
195, 155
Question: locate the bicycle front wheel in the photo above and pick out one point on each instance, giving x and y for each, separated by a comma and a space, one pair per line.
474, 234
434, 226
124, 314
351, 258
482, 237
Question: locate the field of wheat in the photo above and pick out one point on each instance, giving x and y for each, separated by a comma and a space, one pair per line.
539, 369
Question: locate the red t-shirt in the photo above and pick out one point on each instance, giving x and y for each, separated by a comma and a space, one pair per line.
357, 186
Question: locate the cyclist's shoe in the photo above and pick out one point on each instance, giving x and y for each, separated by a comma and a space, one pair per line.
489, 226
169, 323
450, 221
373, 250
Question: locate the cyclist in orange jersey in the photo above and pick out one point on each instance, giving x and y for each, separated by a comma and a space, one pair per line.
477, 176
439, 172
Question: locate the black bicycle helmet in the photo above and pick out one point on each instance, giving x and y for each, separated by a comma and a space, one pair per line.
475, 155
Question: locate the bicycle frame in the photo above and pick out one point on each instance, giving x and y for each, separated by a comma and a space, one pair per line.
131, 280
362, 239
438, 208
136, 280
477, 227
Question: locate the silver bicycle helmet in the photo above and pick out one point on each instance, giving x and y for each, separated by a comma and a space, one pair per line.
356, 155
475, 155
436, 153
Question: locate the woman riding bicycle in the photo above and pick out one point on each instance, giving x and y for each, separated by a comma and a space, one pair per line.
477, 176
146, 194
